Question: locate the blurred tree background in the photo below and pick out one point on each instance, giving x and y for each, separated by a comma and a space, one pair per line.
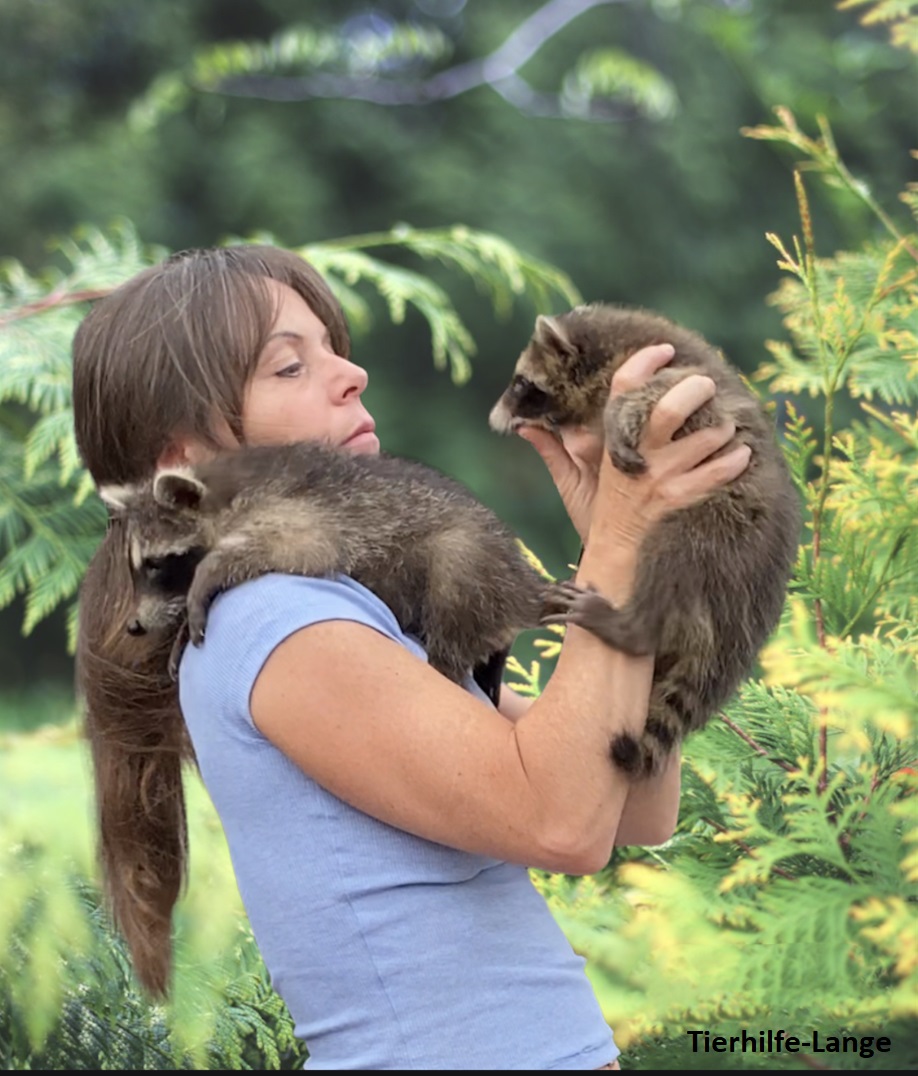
645, 193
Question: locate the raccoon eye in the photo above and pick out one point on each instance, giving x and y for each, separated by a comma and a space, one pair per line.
172, 572
529, 396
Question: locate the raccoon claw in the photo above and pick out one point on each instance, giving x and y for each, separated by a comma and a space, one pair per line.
627, 460
196, 622
175, 655
564, 602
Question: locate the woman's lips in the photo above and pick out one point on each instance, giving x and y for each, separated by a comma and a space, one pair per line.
363, 438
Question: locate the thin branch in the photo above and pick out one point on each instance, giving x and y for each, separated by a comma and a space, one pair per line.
747, 848
844, 838
759, 750
498, 70
53, 299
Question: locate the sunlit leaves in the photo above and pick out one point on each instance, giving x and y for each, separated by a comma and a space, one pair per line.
901, 15
866, 338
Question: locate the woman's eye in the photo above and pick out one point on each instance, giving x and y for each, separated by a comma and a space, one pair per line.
290, 371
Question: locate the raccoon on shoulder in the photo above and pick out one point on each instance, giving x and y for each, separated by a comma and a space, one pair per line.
451, 572
711, 578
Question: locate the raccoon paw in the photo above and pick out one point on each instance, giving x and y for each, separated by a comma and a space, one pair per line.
627, 460
623, 424
646, 755
558, 599
197, 618
569, 603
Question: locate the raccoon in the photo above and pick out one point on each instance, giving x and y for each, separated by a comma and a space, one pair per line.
712, 578
450, 571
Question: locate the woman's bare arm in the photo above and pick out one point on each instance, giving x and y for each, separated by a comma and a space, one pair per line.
651, 808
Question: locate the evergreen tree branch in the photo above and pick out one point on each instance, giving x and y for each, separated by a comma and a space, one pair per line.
808, 261
859, 189
747, 848
498, 70
871, 596
824, 158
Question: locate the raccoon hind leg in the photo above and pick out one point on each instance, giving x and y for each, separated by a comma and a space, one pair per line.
631, 630
457, 605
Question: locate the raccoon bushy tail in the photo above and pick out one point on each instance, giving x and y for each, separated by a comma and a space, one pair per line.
670, 714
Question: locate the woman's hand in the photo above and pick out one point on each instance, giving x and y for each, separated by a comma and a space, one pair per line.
676, 474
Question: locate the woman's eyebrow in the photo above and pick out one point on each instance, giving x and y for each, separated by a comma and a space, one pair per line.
284, 333
290, 335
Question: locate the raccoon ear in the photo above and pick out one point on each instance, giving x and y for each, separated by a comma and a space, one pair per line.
178, 489
549, 333
117, 498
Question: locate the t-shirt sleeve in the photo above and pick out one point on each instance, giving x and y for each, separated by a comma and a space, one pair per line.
246, 623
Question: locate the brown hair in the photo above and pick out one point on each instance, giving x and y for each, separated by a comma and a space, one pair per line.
170, 351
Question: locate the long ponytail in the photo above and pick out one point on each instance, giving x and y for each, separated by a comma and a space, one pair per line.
139, 743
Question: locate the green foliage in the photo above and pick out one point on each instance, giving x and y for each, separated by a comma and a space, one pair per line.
69, 997
791, 885
495, 266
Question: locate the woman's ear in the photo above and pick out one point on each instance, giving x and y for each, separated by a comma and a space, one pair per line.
185, 451
175, 454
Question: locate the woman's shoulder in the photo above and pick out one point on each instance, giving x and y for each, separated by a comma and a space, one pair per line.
305, 599
246, 623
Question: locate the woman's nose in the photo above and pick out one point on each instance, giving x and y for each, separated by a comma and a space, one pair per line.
352, 379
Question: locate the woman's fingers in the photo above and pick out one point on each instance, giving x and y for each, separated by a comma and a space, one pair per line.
694, 484
583, 446
640, 367
671, 410
687, 452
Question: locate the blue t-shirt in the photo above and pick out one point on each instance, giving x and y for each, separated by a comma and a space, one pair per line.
390, 951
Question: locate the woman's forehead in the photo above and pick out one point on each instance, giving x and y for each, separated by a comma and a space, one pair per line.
292, 314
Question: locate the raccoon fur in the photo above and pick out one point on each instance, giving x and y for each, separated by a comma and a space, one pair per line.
450, 571
712, 578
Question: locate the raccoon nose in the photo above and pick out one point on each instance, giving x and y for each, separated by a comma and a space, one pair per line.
136, 628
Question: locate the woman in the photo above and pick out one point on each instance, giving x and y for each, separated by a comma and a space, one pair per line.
380, 818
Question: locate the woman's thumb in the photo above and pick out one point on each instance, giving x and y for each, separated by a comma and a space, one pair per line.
552, 450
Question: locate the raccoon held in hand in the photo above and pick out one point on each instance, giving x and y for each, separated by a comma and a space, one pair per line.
711, 578
450, 571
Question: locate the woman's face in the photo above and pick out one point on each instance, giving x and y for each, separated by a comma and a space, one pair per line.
301, 390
